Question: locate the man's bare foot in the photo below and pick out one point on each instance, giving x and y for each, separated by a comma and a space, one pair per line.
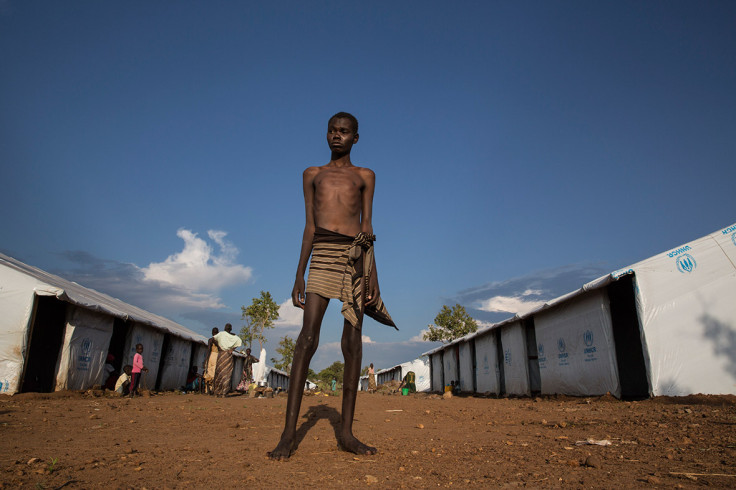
283, 450
353, 445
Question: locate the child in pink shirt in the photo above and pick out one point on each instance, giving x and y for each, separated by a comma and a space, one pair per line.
137, 368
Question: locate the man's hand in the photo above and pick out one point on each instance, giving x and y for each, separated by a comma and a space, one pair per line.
297, 294
373, 290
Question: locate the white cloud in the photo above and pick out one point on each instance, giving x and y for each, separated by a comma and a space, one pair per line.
518, 304
290, 317
367, 340
197, 268
418, 337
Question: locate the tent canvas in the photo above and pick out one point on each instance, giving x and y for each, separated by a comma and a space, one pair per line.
436, 362
420, 367
449, 364
576, 349
175, 366
486, 355
466, 366
84, 349
199, 357
515, 365
686, 308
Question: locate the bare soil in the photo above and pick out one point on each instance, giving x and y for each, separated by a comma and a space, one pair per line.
83, 440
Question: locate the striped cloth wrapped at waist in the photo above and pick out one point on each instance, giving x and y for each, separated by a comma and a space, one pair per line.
340, 268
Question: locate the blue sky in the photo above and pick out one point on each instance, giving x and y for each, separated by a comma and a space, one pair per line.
154, 150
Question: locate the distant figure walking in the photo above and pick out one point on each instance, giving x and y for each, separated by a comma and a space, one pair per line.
227, 343
371, 379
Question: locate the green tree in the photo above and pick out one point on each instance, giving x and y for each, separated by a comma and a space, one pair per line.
334, 370
286, 349
311, 375
450, 324
259, 316
364, 371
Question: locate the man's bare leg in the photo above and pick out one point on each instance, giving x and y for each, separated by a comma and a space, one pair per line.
352, 349
306, 344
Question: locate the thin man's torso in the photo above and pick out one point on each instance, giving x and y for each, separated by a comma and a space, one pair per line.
338, 202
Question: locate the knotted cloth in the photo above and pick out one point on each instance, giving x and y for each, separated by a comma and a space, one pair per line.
340, 268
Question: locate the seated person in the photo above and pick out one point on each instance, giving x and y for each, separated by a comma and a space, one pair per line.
193, 381
409, 381
122, 385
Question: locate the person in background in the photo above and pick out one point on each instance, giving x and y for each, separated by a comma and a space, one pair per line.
409, 382
371, 379
210, 363
226, 342
247, 377
122, 386
193, 380
136, 371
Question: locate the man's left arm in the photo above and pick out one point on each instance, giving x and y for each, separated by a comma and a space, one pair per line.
366, 226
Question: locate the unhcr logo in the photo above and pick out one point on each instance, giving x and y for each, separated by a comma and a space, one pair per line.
561, 344
540, 349
588, 338
86, 346
686, 263
733, 238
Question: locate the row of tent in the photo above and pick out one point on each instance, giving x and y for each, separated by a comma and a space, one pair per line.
663, 326
56, 335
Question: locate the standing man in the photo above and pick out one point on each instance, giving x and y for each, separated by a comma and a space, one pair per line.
338, 200
227, 342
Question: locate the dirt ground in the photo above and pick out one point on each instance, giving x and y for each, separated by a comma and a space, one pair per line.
76, 440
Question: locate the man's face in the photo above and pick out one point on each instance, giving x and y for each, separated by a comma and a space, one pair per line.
341, 135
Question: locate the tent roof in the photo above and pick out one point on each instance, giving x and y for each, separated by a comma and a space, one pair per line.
73, 293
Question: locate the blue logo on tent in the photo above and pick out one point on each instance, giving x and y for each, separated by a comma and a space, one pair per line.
540, 349
561, 344
686, 263
733, 238
507, 356
588, 338
86, 346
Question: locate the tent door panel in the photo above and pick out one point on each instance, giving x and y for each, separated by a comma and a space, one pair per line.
47, 335
535, 378
632, 370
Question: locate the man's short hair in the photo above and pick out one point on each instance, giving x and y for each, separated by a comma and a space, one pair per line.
228, 327
346, 115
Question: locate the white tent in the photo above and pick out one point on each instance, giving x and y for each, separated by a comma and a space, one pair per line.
55, 334
663, 326
420, 366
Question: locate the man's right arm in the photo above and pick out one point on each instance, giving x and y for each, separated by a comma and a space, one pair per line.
298, 294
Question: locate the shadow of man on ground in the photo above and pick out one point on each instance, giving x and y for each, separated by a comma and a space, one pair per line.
314, 415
